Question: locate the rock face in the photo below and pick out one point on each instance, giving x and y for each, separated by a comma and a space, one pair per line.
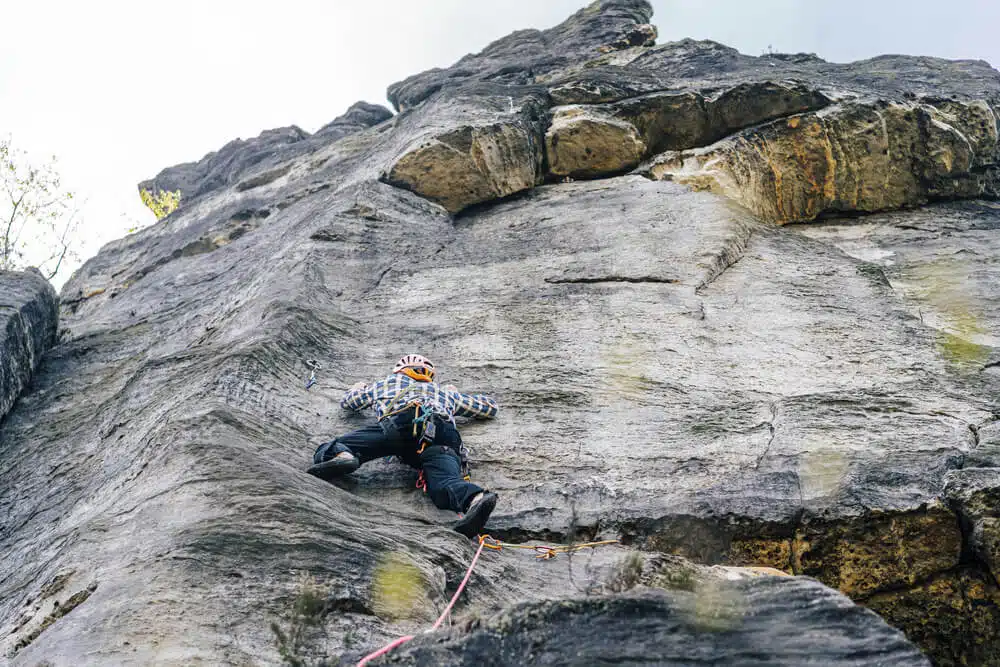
853, 157
255, 162
759, 623
29, 318
467, 149
360, 116
664, 121
528, 55
676, 371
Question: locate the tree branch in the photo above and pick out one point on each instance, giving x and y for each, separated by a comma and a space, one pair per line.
65, 246
7, 243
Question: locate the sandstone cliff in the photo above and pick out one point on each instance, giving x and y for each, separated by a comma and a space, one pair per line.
594, 229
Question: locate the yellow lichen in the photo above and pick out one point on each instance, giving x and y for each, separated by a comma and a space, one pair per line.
775, 554
398, 587
945, 285
162, 203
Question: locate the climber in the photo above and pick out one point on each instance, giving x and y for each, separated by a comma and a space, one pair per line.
416, 422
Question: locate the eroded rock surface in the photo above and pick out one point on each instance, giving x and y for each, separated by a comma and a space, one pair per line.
360, 116
580, 135
791, 138
469, 148
254, 162
675, 371
29, 318
755, 622
855, 157
529, 55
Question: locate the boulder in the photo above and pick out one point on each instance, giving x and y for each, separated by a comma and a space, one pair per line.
29, 318
460, 150
584, 142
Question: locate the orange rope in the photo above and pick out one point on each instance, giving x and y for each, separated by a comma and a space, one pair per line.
544, 552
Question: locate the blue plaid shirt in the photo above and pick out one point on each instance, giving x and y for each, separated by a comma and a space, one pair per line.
398, 390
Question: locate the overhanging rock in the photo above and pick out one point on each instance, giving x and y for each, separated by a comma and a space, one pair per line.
466, 149
854, 157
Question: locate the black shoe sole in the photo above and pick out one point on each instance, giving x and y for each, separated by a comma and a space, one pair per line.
332, 469
473, 522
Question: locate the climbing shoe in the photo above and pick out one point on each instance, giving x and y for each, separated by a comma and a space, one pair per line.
476, 516
340, 465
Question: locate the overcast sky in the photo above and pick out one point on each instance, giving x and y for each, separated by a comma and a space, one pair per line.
119, 90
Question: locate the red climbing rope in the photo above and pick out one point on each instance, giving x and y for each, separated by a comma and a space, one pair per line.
402, 640
468, 573
385, 649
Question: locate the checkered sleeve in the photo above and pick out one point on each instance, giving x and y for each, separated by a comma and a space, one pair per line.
477, 406
360, 398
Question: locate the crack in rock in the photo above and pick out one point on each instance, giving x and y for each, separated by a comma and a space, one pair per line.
612, 279
732, 252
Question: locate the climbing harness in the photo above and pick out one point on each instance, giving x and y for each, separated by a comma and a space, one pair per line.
424, 429
488, 542
313, 366
391, 410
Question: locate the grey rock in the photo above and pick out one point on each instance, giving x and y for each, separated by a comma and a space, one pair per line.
360, 116
253, 162
943, 261
673, 371
691, 65
29, 319
526, 55
224, 167
769, 621
975, 494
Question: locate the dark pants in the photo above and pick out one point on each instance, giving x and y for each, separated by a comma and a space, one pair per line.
440, 462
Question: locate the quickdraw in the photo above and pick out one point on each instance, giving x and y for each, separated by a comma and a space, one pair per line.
313, 366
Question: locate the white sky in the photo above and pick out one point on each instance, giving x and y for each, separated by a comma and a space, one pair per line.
120, 90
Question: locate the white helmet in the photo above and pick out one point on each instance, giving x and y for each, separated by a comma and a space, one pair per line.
415, 366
